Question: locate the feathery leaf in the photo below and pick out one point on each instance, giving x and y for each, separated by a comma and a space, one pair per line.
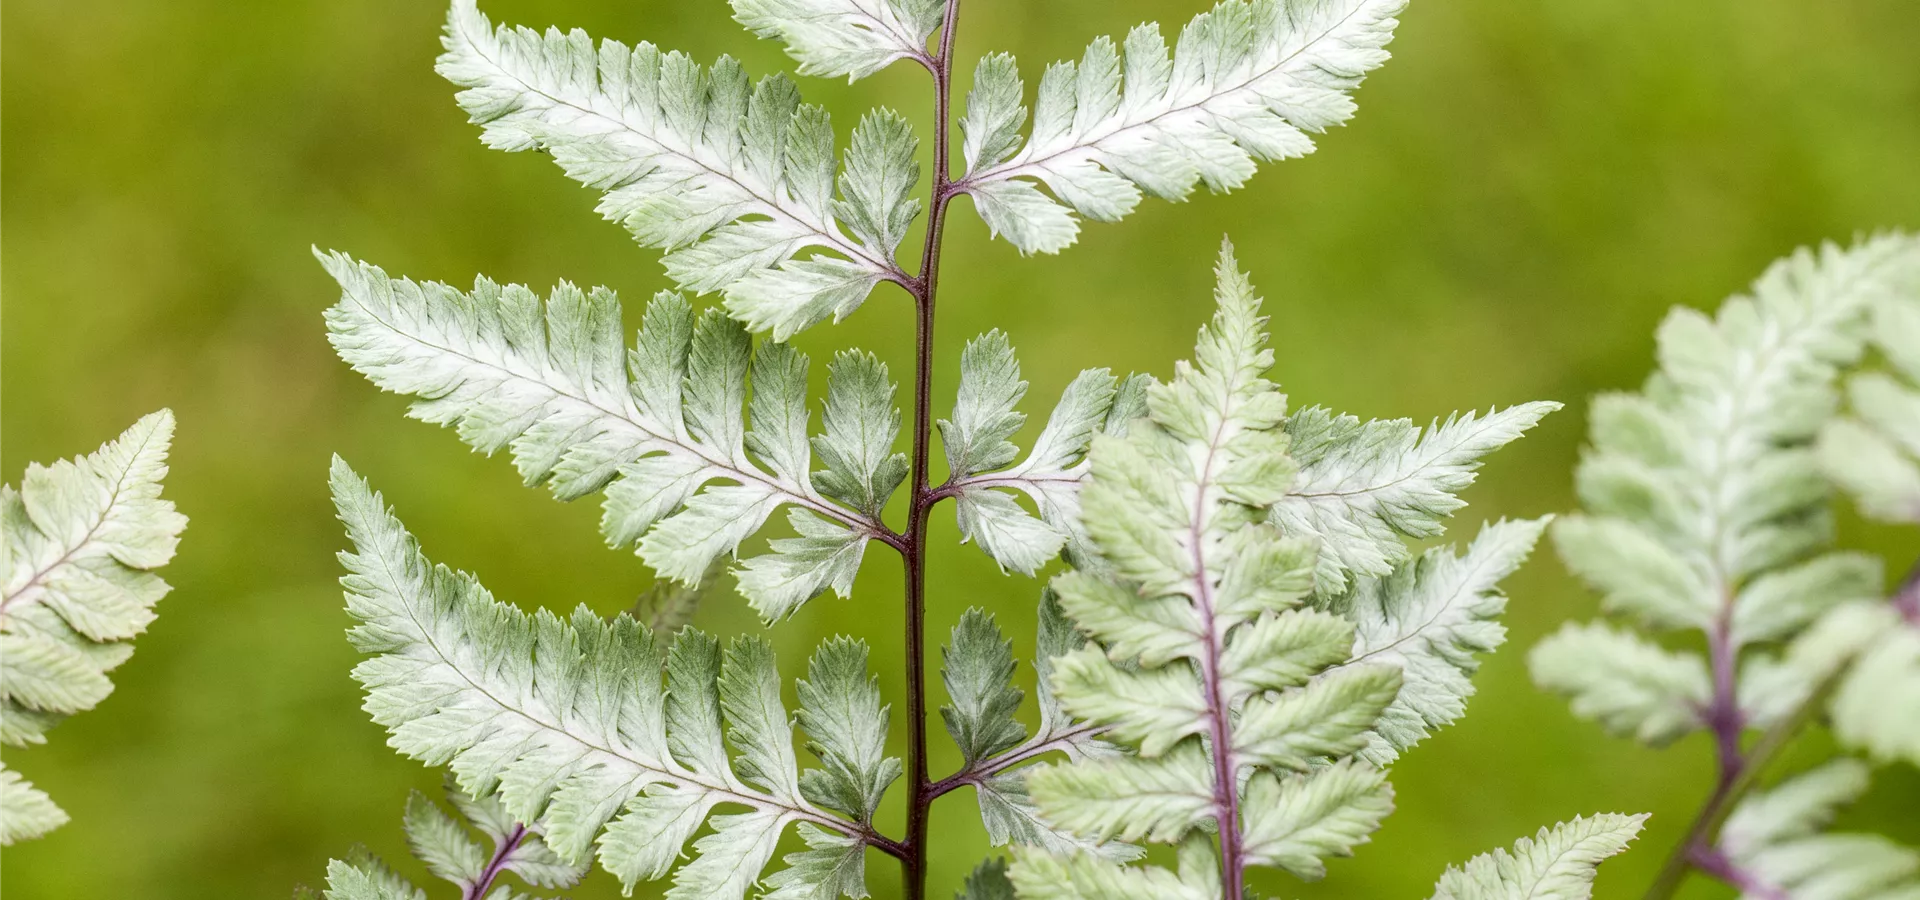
1557, 864
78, 542
734, 181
1248, 80
566, 720
547, 381
855, 38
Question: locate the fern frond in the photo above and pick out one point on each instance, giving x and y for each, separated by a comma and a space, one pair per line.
448, 847
1430, 618
1365, 487
565, 720
1777, 840
981, 460
1874, 453
79, 541
855, 38
654, 430
1225, 711
1703, 506
1248, 80
978, 670
1557, 864
733, 181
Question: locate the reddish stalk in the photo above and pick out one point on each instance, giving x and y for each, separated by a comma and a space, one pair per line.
501, 853
920, 800
1740, 772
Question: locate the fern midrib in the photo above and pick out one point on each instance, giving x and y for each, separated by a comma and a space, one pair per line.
630, 417
1014, 169
1226, 789
823, 230
120, 486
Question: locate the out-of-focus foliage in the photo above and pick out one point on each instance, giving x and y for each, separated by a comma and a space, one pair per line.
1530, 186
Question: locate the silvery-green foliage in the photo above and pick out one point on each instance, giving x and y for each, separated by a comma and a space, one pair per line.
1703, 508
1779, 838
981, 460
735, 181
471, 850
1556, 864
978, 671
1364, 488
855, 38
690, 466
1430, 616
1248, 80
1874, 452
567, 723
1874, 455
1246, 705
79, 540
1706, 508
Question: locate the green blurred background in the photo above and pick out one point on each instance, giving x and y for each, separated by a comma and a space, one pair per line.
1529, 184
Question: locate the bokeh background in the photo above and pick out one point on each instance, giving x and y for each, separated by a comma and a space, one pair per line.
1529, 184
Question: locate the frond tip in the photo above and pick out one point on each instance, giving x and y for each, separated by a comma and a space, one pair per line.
1556, 864
79, 541
567, 723
855, 38
1247, 80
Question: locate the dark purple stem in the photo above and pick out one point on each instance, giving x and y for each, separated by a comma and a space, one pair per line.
913, 550
501, 853
1717, 864
1723, 716
1906, 598
1740, 772
1226, 782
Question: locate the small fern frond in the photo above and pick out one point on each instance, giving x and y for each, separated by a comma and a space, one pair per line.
1223, 712
996, 748
854, 38
79, 540
733, 181
448, 847
1556, 864
567, 723
1430, 618
1248, 80
1366, 487
654, 427
983, 475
